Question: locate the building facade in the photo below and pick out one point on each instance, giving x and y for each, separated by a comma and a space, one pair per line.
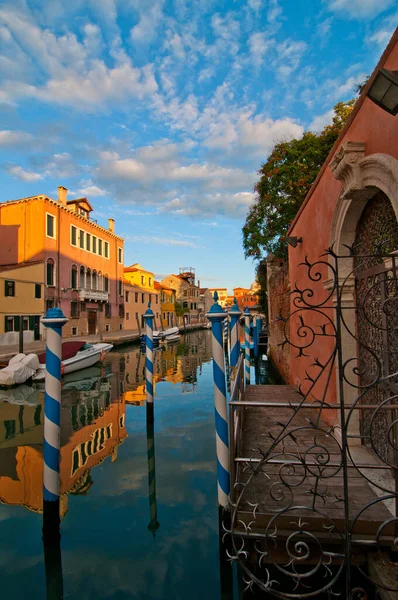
136, 301
222, 295
187, 293
246, 298
21, 301
167, 305
82, 261
206, 298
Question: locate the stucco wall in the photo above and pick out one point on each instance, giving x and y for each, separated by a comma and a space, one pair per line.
278, 288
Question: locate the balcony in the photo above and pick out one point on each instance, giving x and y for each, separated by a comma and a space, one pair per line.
96, 295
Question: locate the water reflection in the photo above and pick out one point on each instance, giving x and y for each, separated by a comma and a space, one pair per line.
112, 509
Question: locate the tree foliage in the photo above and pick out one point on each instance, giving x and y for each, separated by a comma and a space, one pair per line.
285, 179
179, 309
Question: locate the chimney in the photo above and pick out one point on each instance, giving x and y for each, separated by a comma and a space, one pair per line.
62, 195
111, 225
198, 284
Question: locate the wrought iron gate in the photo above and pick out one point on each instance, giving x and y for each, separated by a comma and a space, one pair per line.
316, 493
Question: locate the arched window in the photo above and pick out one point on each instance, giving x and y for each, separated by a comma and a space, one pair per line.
100, 281
88, 279
73, 277
82, 277
106, 283
50, 272
94, 280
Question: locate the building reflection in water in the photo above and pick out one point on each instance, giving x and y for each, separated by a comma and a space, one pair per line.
92, 428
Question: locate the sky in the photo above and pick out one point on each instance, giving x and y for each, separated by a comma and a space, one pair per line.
160, 112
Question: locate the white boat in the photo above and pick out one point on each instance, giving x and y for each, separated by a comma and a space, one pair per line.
158, 336
75, 356
171, 335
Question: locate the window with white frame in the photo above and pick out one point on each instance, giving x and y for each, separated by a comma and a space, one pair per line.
50, 225
81, 238
50, 272
73, 235
106, 249
94, 245
88, 242
99, 246
120, 255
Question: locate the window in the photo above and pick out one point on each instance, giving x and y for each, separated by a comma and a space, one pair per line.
142, 280
94, 280
100, 307
94, 244
185, 292
143, 298
82, 278
150, 281
100, 247
74, 309
73, 235
157, 299
106, 283
49, 304
127, 296
185, 304
82, 307
108, 310
81, 238
9, 324
73, 277
88, 279
120, 255
74, 330
107, 327
88, 242
121, 327
136, 296
127, 316
150, 298
50, 225
121, 310
120, 287
9, 288
106, 249
50, 279
37, 290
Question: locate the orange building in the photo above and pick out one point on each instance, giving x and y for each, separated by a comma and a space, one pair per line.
82, 261
246, 297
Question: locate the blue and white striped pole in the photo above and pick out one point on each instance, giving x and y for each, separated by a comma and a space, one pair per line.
234, 314
259, 324
247, 345
255, 336
149, 317
216, 316
54, 320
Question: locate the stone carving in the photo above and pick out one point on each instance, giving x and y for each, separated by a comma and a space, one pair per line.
346, 167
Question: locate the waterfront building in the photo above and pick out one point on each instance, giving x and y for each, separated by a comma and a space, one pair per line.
222, 295
82, 262
136, 300
246, 297
167, 305
187, 292
206, 299
21, 301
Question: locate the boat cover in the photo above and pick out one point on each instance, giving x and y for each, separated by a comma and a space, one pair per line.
69, 349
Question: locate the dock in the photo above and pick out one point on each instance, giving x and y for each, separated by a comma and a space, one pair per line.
287, 468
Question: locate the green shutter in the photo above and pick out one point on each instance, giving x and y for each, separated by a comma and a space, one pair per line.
16, 323
31, 323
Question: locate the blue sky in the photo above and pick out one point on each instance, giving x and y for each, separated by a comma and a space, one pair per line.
161, 111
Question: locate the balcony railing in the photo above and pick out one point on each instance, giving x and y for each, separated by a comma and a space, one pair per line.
86, 294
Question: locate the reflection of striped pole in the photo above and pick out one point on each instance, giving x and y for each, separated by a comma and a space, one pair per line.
150, 440
54, 321
247, 345
149, 317
234, 328
216, 315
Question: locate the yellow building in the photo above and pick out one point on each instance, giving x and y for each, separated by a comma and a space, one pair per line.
167, 305
21, 296
222, 295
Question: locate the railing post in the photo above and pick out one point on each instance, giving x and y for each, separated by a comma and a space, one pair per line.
149, 317
216, 315
247, 345
54, 320
235, 315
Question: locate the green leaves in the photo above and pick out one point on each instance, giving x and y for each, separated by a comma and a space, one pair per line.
285, 179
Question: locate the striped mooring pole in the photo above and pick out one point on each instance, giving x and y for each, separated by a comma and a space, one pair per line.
247, 345
149, 317
54, 320
150, 437
255, 336
216, 316
234, 328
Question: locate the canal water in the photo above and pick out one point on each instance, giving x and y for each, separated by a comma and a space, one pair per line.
119, 540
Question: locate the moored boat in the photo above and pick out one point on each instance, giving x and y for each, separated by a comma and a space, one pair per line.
75, 356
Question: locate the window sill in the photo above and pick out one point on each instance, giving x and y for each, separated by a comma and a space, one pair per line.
50, 286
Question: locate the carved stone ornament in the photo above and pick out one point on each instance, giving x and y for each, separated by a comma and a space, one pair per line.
346, 167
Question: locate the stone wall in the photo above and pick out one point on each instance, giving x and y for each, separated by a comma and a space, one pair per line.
278, 291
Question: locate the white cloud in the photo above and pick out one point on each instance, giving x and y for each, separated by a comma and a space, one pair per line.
290, 53
20, 173
161, 241
318, 123
227, 29
14, 138
108, 155
383, 34
206, 74
89, 189
149, 19
359, 9
259, 44
348, 87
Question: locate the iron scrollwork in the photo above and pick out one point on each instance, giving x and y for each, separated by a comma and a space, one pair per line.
323, 484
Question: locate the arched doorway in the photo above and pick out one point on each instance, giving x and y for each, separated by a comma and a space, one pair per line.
376, 303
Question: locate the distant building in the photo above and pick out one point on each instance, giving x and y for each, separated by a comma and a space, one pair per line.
82, 262
167, 305
141, 290
187, 292
206, 298
246, 298
222, 295
21, 301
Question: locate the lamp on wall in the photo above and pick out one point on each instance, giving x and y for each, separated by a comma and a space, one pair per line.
384, 90
293, 241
